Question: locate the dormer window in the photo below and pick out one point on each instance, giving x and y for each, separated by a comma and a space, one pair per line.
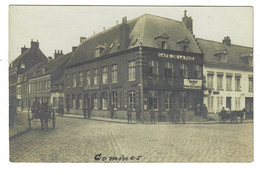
247, 58
22, 66
163, 45
185, 48
221, 56
184, 44
99, 50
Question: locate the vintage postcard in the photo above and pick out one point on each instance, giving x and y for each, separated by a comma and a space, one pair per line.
123, 84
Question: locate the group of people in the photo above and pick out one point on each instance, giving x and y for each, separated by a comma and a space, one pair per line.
129, 114
87, 111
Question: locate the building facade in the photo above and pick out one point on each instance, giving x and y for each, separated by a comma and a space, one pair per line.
148, 62
228, 69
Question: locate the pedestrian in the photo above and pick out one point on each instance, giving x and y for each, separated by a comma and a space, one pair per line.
177, 114
198, 109
152, 115
171, 115
84, 111
89, 112
129, 115
205, 111
112, 111
138, 114
183, 116
62, 110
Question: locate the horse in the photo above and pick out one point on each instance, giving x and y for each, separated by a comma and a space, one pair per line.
240, 114
232, 115
44, 115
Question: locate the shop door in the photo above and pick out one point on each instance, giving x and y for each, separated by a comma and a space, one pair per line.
228, 102
249, 108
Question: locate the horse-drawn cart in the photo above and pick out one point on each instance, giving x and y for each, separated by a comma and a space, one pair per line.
41, 113
232, 116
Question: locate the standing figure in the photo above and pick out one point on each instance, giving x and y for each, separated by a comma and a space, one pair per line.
198, 109
62, 110
138, 114
129, 115
152, 115
112, 111
89, 112
84, 111
177, 115
183, 116
205, 111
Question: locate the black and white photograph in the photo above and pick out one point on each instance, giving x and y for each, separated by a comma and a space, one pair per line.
131, 84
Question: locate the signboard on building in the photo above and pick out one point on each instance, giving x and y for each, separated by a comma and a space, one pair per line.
94, 87
192, 84
176, 56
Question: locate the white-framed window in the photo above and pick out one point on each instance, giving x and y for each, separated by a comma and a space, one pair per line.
220, 82
131, 99
87, 82
114, 99
74, 81
210, 103
250, 84
237, 103
131, 70
80, 79
104, 75
95, 101
198, 71
168, 100
237, 83
153, 99
96, 76
210, 81
219, 103
229, 83
114, 73
184, 70
169, 69
79, 102
153, 67
104, 100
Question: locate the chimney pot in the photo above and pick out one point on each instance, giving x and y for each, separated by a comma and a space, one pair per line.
226, 41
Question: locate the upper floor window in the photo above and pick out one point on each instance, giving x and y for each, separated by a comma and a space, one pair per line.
185, 48
169, 69
96, 76
220, 82
229, 83
198, 71
114, 73
153, 67
74, 81
250, 84
87, 82
237, 83
80, 79
131, 70
184, 70
210, 81
104, 75
164, 45
22, 66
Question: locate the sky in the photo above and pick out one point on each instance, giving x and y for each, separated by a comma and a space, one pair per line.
60, 27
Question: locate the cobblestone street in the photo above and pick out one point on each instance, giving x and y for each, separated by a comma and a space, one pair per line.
79, 140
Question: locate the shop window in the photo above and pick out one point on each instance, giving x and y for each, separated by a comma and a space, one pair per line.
168, 100
131, 99
131, 70
104, 75
114, 73
54, 101
114, 99
79, 102
210, 103
153, 99
73, 101
184, 70
104, 100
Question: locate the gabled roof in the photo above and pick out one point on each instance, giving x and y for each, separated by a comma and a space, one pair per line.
212, 48
143, 29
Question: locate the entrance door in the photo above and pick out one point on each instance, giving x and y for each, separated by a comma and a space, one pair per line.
249, 108
228, 102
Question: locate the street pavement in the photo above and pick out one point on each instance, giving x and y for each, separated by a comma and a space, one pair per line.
81, 140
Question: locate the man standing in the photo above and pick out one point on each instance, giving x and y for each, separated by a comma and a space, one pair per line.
112, 111
152, 115
129, 115
205, 111
84, 112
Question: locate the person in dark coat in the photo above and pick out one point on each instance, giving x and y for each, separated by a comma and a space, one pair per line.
89, 112
62, 110
205, 111
138, 114
112, 111
84, 112
152, 115
129, 115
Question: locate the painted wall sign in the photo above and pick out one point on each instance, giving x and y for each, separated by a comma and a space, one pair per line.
176, 56
192, 84
94, 87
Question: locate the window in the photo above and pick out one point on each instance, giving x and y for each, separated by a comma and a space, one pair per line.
185, 48
184, 100
114, 73
184, 70
219, 82
153, 67
229, 83
104, 75
163, 45
95, 101
131, 70
210, 103
219, 103
104, 100
80, 79
198, 71
48, 85
153, 99
96, 76
54, 101
74, 81
114, 99
237, 83
210, 81
169, 69
73, 101
168, 100
79, 102
131, 99
87, 83
98, 51
237, 102
22, 66
250, 84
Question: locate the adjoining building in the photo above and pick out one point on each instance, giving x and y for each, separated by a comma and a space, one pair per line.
229, 74
28, 58
148, 62
42, 82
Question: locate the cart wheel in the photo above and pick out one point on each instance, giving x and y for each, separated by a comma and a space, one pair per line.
53, 122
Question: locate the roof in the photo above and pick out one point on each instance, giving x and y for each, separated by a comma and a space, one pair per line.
144, 29
234, 54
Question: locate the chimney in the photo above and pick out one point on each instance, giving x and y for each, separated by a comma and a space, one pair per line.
82, 38
34, 44
226, 41
124, 34
49, 58
57, 54
74, 48
188, 22
23, 49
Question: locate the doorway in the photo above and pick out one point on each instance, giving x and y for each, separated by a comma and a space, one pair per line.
249, 108
228, 102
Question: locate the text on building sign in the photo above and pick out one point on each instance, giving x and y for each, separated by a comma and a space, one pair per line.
175, 56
